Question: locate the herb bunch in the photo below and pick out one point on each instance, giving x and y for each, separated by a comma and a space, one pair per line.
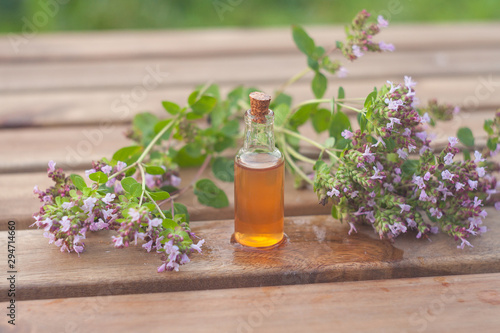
370, 174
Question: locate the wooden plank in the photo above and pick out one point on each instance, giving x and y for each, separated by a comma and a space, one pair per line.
90, 107
434, 304
234, 41
253, 69
18, 203
75, 147
319, 250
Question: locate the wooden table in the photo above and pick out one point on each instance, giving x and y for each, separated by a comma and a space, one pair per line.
57, 97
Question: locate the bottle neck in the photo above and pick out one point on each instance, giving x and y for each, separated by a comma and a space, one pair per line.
259, 133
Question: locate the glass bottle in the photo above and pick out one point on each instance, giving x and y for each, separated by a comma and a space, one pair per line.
259, 180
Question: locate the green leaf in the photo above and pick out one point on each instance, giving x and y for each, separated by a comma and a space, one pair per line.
304, 43
171, 107
159, 195
313, 64
362, 121
492, 143
125, 154
335, 213
204, 105
179, 209
223, 169
222, 143
465, 136
488, 126
339, 123
78, 181
231, 128
131, 186
209, 194
340, 96
145, 123
369, 100
169, 224
161, 125
281, 99
301, 116
409, 167
184, 160
193, 149
319, 84
99, 177
280, 114
154, 170
320, 120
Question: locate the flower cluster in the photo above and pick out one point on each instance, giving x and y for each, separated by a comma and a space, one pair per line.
360, 37
377, 181
71, 209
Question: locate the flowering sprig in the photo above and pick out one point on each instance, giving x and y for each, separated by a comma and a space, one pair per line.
378, 182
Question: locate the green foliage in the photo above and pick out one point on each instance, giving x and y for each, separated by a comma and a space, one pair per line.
78, 181
209, 194
464, 134
223, 169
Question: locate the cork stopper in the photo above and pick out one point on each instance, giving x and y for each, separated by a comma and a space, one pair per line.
259, 106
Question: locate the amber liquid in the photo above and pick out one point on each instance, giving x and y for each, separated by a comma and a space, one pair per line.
259, 200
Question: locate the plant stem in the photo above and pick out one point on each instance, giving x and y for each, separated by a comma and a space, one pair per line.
350, 107
306, 139
298, 155
292, 164
292, 80
325, 100
143, 179
156, 205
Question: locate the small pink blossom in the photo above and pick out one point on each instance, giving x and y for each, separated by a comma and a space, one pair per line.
427, 176
411, 148
153, 223
497, 205
342, 72
107, 169
148, 245
162, 267
65, 223
464, 242
173, 266
393, 121
333, 192
68, 205
382, 23
402, 154
472, 184
477, 202
184, 259
353, 228
425, 118
404, 208
357, 51
120, 165
386, 46
118, 240
459, 186
376, 175
446, 174
175, 181
108, 198
88, 204
354, 194
197, 247
421, 135
448, 159
52, 166
480, 171
423, 196
347, 134
89, 172
135, 215
409, 82
407, 132
453, 141
478, 157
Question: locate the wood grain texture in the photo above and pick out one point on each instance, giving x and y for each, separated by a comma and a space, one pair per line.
462, 303
19, 204
75, 147
319, 250
234, 41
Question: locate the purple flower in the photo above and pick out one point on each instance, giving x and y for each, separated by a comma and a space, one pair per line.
407, 132
389, 187
184, 259
175, 181
120, 165
135, 215
353, 228
434, 230
411, 223
404, 208
497, 205
417, 180
477, 202
197, 247
402, 154
386, 47
464, 242
483, 214
88, 204
472, 184
99, 225
52, 166
478, 157
354, 194
376, 175
409, 83
480, 171
423, 196
427, 176
456, 110
448, 159
106, 169
368, 156
459, 186
357, 51
148, 245
154, 222
425, 118
108, 198
118, 240
436, 212
48, 223
397, 179
379, 140
370, 217
421, 135
453, 141
68, 205
347, 134
342, 72
382, 23
333, 192
173, 266
410, 93
446, 174
411, 148
393, 105
397, 171
162, 267
392, 121
65, 223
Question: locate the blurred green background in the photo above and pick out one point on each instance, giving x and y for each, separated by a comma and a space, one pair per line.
60, 15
